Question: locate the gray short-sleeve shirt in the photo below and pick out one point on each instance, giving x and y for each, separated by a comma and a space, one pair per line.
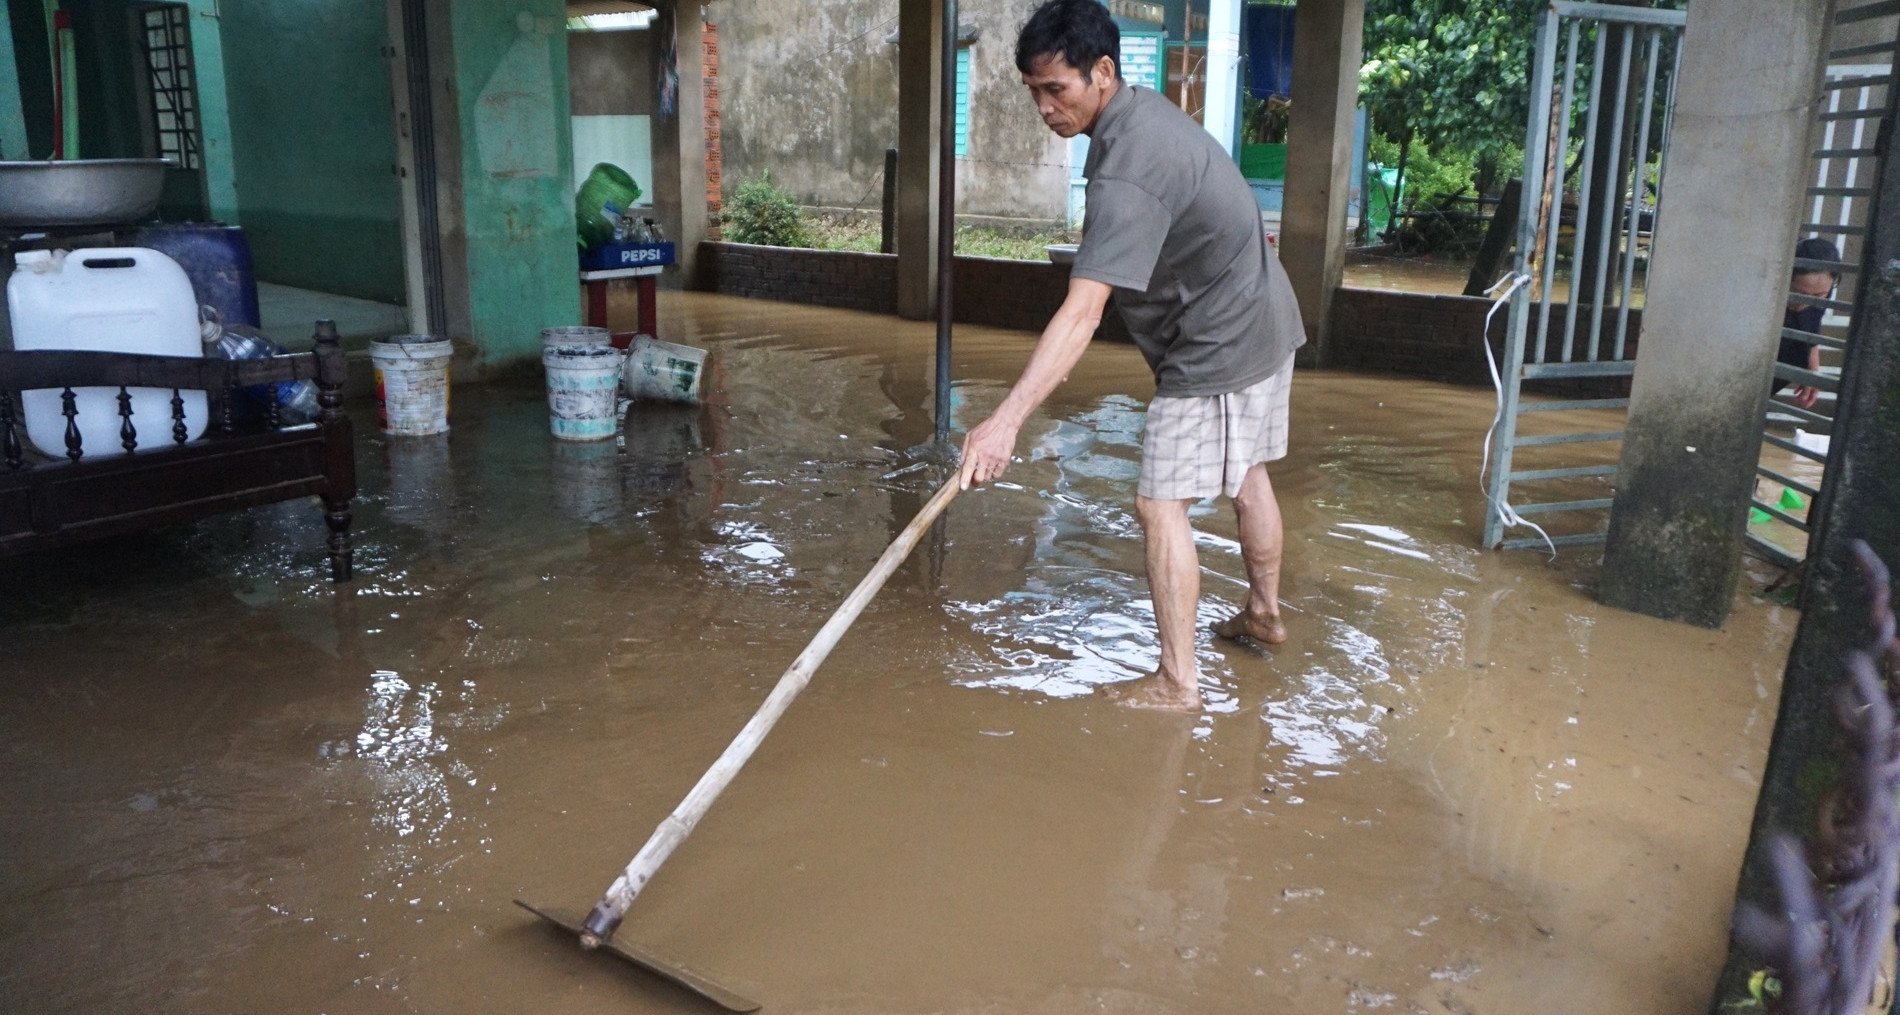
1173, 226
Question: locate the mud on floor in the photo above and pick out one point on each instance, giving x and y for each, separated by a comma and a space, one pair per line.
1462, 786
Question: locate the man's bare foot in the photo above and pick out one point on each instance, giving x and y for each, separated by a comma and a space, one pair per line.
1268, 630
1156, 693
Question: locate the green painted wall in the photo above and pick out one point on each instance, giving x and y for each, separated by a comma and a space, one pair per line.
313, 143
214, 114
33, 65
517, 173
12, 114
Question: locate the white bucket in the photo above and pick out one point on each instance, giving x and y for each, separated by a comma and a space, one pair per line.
663, 371
412, 384
574, 335
583, 387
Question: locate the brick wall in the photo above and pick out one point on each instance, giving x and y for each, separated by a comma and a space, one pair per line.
988, 291
715, 186
844, 279
1411, 333
1438, 337
1023, 295
1417, 335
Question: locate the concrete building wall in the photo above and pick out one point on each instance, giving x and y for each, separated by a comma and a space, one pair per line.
1016, 167
612, 73
614, 93
313, 144
808, 91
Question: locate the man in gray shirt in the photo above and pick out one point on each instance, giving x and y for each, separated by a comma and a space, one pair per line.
1174, 233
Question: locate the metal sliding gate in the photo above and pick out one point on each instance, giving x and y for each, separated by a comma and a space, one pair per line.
1602, 87
1844, 167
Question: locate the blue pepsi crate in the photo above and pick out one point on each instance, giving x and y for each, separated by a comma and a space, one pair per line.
610, 256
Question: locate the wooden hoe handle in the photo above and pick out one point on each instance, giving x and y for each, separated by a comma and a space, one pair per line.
612, 908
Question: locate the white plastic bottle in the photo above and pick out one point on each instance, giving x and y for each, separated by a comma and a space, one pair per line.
105, 299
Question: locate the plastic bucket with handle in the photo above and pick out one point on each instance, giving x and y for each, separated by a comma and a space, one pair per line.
412, 384
583, 390
663, 371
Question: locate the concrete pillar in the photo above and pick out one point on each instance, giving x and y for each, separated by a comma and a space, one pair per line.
1327, 36
214, 111
1718, 281
505, 161
679, 144
919, 83
1223, 72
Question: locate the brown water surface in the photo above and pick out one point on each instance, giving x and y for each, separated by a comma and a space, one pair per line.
1447, 276
1462, 786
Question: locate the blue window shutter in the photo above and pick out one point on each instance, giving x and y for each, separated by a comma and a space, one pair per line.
963, 101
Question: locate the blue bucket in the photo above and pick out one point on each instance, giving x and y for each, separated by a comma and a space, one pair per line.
217, 259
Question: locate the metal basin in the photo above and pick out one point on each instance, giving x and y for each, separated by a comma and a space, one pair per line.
80, 192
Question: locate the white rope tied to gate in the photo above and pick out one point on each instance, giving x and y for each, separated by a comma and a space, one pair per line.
1510, 284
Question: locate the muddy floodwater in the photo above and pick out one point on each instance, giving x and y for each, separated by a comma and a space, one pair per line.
1463, 786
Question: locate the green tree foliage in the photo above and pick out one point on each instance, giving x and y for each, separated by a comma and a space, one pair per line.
1436, 171
759, 212
1450, 74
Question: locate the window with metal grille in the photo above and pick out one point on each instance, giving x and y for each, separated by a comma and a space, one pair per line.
165, 36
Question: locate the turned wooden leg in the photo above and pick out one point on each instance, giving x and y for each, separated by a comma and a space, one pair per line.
336, 514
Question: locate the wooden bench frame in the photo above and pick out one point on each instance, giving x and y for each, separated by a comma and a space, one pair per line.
48, 502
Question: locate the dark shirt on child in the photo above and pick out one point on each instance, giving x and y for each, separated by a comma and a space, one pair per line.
1794, 352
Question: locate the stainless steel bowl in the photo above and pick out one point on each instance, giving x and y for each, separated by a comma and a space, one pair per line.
80, 192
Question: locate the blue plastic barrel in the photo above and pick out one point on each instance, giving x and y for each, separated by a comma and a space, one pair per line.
217, 259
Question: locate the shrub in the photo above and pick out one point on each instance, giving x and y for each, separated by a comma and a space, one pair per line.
1434, 173
759, 212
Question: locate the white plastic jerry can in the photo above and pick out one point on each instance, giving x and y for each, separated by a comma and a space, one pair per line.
105, 299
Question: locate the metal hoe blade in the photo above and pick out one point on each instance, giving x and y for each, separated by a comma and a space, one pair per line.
672, 972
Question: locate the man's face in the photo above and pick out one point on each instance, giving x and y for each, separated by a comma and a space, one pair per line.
1068, 104
1817, 284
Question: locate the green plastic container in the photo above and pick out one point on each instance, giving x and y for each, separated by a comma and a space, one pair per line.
1263, 161
1383, 202
605, 195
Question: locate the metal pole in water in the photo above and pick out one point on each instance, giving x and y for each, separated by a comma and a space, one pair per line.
946, 216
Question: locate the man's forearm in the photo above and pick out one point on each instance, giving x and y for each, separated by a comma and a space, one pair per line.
990, 444
1058, 350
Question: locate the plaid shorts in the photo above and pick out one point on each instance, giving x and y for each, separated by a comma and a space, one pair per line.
1202, 446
